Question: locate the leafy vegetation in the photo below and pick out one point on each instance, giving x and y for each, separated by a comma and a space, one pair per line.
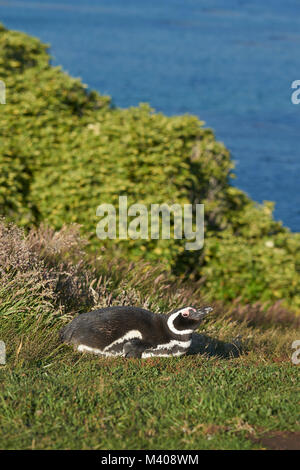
65, 150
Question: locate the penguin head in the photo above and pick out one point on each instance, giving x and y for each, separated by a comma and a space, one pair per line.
185, 320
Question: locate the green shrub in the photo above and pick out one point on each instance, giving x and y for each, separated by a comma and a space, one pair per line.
66, 150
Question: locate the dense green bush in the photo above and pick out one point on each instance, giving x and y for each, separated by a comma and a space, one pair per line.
66, 150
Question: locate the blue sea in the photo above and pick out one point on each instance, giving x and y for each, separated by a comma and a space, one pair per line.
230, 62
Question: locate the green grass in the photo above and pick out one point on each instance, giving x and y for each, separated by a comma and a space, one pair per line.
54, 398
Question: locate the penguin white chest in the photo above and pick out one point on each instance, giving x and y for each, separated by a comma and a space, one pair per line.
116, 348
172, 348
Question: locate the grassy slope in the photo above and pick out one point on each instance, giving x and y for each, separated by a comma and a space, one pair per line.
65, 400
54, 398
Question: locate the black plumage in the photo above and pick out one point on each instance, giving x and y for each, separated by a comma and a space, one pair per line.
133, 331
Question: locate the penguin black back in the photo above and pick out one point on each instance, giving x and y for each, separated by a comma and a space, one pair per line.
133, 331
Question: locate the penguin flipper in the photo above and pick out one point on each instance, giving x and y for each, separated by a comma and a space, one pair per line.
134, 348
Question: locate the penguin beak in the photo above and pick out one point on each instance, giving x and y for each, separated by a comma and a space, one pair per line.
200, 314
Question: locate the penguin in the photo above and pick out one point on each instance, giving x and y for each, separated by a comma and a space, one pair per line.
134, 332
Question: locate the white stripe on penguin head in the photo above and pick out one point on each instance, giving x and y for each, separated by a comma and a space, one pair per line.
171, 323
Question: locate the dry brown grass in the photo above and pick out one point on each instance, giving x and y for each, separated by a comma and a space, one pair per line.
55, 265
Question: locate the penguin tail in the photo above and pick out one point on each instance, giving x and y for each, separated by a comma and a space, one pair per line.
61, 334
64, 334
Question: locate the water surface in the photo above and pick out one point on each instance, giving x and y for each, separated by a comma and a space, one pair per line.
230, 62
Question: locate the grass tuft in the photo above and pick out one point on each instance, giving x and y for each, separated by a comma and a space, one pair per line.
237, 384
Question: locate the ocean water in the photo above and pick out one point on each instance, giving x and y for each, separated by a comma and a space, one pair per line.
230, 62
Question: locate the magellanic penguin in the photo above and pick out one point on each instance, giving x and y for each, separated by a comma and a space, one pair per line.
134, 332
